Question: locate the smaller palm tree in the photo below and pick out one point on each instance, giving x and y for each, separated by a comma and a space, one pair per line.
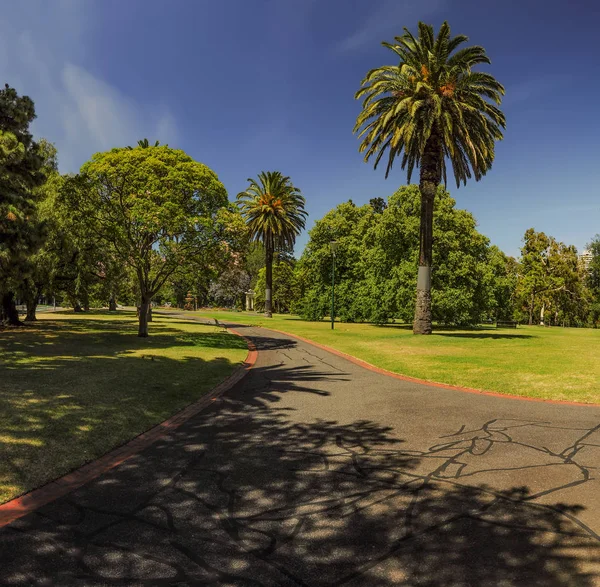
145, 143
274, 212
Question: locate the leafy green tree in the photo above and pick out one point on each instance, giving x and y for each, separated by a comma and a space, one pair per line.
285, 290
254, 261
154, 208
375, 261
199, 277
505, 270
77, 266
37, 269
71, 262
592, 279
274, 212
551, 281
378, 204
568, 302
347, 224
20, 174
534, 277
430, 107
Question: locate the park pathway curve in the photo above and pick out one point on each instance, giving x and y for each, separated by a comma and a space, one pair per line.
313, 471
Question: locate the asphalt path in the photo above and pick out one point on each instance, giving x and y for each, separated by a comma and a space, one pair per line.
313, 471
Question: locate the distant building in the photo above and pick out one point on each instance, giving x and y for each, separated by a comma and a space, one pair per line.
585, 259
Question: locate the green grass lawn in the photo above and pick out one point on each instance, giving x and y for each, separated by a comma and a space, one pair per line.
73, 386
552, 363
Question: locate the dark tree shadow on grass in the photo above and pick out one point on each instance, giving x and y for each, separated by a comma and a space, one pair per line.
250, 494
485, 335
87, 337
465, 332
69, 393
446, 331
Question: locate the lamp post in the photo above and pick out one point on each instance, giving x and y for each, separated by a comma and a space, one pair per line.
333, 245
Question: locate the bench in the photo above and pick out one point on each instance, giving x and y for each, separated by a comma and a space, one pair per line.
506, 324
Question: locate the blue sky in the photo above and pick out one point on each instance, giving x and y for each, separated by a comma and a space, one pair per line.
251, 85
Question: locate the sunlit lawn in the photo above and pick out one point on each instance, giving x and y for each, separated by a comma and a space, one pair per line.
557, 363
73, 386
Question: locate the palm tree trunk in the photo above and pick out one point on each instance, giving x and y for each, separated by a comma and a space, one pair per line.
268, 280
429, 181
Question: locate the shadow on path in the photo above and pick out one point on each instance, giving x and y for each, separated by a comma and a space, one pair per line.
254, 493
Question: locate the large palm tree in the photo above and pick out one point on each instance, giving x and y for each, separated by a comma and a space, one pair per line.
431, 108
274, 212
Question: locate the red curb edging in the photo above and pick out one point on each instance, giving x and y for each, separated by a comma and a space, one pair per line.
36, 498
381, 371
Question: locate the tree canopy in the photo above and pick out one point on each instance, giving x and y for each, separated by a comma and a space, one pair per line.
20, 173
376, 259
154, 208
551, 280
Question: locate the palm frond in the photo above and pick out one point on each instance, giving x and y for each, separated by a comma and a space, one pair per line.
273, 209
431, 100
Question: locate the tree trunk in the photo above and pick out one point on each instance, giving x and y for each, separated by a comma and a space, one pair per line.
149, 318
269, 280
9, 314
429, 181
531, 309
32, 295
31, 303
542, 314
76, 305
112, 303
143, 318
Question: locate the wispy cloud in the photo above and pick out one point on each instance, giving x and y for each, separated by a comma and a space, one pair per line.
386, 19
78, 111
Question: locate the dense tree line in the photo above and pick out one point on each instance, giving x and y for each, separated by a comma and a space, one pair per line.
132, 222
473, 282
137, 225
554, 285
21, 175
377, 254
148, 224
